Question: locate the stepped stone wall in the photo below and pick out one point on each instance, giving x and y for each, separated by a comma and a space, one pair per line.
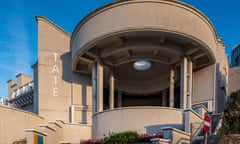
13, 122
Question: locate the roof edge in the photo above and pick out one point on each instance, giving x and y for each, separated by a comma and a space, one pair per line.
42, 18
122, 2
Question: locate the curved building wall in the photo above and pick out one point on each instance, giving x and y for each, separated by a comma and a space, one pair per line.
140, 119
13, 122
170, 16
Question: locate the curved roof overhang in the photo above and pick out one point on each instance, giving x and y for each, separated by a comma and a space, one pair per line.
159, 31
156, 45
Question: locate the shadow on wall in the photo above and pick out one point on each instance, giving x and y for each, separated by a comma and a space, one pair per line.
68, 75
157, 128
80, 83
66, 67
221, 90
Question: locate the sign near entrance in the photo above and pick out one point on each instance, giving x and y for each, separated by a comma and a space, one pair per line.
55, 72
207, 123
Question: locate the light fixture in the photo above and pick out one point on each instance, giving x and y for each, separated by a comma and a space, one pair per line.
141, 65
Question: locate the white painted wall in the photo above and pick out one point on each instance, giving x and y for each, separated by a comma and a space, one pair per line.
139, 119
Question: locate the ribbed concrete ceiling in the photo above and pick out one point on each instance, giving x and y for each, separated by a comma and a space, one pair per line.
162, 50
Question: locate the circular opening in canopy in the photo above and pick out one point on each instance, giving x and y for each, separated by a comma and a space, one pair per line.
142, 65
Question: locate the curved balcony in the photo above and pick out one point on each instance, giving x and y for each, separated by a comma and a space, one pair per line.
157, 30
140, 119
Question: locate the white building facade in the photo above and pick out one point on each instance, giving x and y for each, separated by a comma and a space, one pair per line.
143, 65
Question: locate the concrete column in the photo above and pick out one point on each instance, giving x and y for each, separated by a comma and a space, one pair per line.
183, 83
171, 88
164, 98
94, 88
187, 124
119, 98
99, 87
111, 90
189, 85
72, 108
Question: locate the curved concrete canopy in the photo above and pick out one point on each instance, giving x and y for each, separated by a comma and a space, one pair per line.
159, 31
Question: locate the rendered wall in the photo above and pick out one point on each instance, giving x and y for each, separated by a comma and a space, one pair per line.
75, 133
211, 83
195, 120
55, 132
81, 108
170, 16
222, 73
35, 93
180, 138
54, 87
62, 94
234, 79
13, 122
139, 119
204, 86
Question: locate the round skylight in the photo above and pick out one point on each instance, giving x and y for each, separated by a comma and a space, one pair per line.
142, 65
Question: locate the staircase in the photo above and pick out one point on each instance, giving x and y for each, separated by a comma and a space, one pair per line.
49, 133
174, 136
58, 132
198, 134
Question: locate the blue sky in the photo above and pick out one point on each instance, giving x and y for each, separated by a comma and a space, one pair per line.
18, 28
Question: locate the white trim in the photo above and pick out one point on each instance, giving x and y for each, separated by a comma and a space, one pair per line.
36, 131
47, 126
177, 130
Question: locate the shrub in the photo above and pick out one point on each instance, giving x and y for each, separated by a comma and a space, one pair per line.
231, 116
122, 137
148, 137
92, 141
